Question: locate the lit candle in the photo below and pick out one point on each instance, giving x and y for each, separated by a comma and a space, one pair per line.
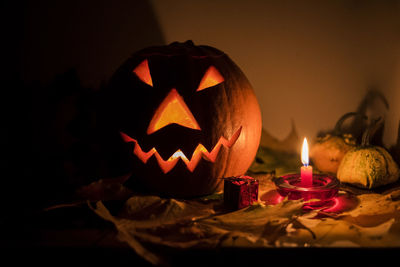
306, 170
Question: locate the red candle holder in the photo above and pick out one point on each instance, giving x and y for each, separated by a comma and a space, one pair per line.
323, 189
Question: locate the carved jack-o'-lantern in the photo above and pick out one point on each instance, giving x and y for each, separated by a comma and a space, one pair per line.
189, 116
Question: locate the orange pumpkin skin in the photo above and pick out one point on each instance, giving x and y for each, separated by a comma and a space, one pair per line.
219, 109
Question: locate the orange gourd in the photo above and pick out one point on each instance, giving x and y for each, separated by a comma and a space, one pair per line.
328, 151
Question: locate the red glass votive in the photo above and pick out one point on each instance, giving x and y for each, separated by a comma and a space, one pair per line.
324, 188
240, 192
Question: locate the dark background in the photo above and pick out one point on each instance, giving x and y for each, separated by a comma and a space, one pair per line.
56, 55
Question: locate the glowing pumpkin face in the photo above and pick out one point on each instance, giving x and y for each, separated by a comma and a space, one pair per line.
189, 116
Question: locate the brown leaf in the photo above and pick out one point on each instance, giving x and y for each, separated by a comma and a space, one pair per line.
288, 145
126, 236
367, 220
154, 210
374, 204
105, 189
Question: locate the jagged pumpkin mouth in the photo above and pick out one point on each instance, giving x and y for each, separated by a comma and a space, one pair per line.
199, 153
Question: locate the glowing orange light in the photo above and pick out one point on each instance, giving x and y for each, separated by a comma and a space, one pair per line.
304, 153
199, 152
212, 77
143, 72
306, 171
172, 110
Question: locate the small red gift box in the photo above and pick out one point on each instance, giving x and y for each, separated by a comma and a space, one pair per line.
240, 192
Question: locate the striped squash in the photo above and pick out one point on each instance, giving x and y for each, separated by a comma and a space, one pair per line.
368, 166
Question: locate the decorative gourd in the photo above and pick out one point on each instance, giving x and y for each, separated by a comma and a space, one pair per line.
329, 150
189, 116
368, 166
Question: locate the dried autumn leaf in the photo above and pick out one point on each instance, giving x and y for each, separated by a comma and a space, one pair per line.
123, 235
365, 220
288, 145
329, 231
375, 204
105, 189
268, 160
154, 210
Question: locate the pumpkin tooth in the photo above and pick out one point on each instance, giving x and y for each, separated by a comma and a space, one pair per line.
200, 152
169, 164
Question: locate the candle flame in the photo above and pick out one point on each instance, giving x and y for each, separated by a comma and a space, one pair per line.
304, 153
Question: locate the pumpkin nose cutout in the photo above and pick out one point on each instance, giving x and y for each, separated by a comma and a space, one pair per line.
173, 109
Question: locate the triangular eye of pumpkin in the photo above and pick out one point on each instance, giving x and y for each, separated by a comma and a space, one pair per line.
142, 71
211, 78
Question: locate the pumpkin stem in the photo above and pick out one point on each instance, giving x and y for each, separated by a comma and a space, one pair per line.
338, 127
370, 131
